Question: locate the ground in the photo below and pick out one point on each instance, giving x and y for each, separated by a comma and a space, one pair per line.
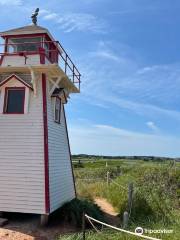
27, 227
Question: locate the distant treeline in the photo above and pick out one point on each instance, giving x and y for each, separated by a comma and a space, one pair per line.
101, 157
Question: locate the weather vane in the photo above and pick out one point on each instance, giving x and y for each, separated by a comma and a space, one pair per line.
34, 16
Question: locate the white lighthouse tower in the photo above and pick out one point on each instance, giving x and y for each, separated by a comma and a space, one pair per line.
36, 78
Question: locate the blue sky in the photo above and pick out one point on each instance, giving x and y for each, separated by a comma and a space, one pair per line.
128, 52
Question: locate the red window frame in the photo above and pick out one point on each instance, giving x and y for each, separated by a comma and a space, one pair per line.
58, 119
6, 99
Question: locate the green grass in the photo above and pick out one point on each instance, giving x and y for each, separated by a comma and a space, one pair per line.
156, 199
114, 235
102, 163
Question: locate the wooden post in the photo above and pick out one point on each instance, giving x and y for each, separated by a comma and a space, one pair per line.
108, 178
130, 195
44, 219
118, 170
83, 226
125, 219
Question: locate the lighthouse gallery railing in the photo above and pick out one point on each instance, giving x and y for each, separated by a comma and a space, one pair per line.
55, 55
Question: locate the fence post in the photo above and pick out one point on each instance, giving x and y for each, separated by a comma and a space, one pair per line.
118, 170
108, 178
125, 219
83, 226
130, 196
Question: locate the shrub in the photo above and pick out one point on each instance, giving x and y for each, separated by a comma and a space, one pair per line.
73, 211
141, 208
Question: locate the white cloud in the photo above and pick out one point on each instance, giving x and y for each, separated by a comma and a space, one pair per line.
11, 2
51, 16
43, 12
75, 21
108, 140
152, 126
81, 22
106, 54
151, 91
143, 109
104, 51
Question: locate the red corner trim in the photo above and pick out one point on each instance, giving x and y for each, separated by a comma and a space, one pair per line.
70, 152
46, 152
17, 78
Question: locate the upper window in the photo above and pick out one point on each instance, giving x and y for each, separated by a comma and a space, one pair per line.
24, 44
57, 113
14, 100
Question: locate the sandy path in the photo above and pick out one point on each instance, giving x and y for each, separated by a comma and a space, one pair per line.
105, 206
111, 215
6, 234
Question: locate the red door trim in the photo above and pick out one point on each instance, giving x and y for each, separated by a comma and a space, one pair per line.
46, 152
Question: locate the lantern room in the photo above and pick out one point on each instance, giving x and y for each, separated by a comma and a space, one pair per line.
29, 45
33, 46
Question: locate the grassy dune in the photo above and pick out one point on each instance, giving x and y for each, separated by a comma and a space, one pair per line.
156, 198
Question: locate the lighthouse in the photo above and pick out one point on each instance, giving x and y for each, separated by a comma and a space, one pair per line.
37, 77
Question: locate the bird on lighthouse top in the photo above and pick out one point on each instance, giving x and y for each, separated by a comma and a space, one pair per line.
34, 16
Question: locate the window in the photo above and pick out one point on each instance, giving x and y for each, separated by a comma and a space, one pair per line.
24, 44
14, 100
46, 47
57, 113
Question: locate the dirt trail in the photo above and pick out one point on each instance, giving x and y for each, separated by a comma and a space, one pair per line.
111, 215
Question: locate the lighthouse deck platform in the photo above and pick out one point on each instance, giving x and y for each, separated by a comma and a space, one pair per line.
39, 55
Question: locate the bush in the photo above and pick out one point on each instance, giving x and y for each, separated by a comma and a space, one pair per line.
73, 211
78, 165
141, 208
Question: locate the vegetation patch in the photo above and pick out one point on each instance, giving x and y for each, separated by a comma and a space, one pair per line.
156, 195
73, 211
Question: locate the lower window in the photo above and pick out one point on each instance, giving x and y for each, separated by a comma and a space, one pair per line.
57, 112
14, 100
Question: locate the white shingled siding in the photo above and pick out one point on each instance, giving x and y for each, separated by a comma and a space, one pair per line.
22, 158
20, 60
60, 173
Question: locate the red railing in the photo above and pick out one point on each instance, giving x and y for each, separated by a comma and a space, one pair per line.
53, 52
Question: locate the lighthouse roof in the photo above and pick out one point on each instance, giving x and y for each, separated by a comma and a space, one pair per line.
30, 29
